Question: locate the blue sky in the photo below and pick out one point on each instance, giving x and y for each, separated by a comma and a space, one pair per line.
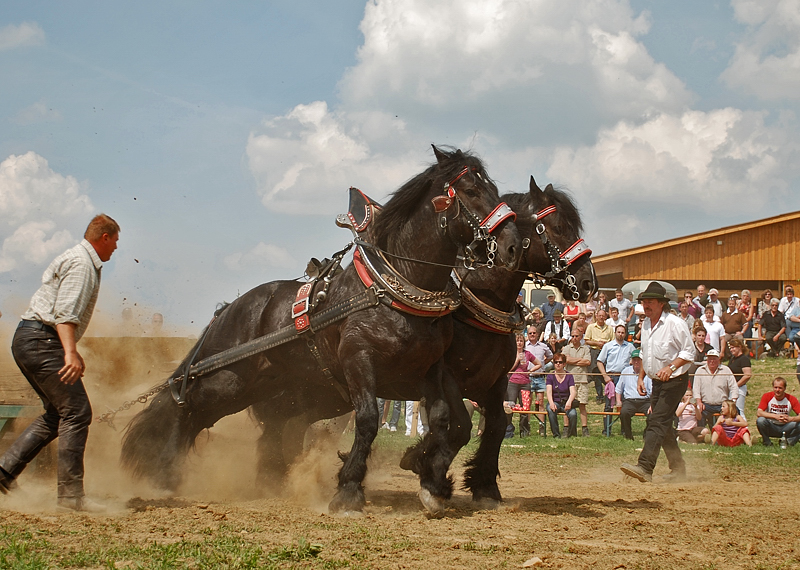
223, 136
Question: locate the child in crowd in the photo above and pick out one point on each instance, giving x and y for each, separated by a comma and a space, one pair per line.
689, 415
731, 428
609, 390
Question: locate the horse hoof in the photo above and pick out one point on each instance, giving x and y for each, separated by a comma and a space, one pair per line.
487, 504
434, 505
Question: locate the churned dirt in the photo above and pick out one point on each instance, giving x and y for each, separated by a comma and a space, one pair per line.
555, 515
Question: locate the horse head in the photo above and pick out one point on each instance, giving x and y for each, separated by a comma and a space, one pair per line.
456, 204
556, 252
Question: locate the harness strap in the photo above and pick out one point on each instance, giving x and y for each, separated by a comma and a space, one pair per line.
502, 212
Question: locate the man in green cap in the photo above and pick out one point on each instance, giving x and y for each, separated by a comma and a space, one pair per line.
666, 353
629, 400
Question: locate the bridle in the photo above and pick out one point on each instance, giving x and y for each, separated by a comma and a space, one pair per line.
559, 262
481, 229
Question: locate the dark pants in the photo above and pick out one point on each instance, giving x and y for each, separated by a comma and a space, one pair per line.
630, 407
67, 412
709, 410
660, 431
598, 380
775, 347
572, 418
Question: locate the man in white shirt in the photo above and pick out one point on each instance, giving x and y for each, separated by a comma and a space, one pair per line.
614, 319
713, 384
714, 328
560, 327
667, 352
713, 301
623, 306
788, 301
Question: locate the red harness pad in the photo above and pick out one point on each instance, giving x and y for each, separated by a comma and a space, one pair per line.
300, 308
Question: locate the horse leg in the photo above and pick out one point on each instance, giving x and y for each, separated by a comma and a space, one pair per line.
350, 492
483, 468
159, 437
271, 467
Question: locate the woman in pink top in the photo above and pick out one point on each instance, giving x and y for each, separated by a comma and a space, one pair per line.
688, 417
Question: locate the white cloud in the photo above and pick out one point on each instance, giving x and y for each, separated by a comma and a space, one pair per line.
25, 34
262, 255
34, 243
707, 158
437, 54
29, 189
38, 112
306, 160
767, 60
34, 201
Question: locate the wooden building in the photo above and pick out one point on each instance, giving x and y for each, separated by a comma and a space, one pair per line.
757, 255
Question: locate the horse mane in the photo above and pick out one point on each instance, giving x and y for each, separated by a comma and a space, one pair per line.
405, 201
567, 213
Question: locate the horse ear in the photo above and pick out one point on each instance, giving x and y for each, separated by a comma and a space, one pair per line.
440, 156
548, 188
534, 188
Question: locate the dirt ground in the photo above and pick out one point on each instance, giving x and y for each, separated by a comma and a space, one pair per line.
562, 516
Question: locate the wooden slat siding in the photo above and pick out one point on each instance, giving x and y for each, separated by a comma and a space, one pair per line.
767, 252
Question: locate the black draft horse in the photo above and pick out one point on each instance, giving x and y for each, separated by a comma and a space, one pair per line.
482, 351
422, 231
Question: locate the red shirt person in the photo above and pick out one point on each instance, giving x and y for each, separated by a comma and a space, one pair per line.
774, 414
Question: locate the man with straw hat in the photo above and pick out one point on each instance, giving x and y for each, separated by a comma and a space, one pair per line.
666, 353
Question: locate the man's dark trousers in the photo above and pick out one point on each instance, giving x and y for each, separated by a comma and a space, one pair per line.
631, 406
660, 431
67, 415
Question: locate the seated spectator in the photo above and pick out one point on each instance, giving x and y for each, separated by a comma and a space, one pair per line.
792, 316
560, 397
602, 303
685, 315
773, 414
713, 301
580, 324
763, 304
472, 407
629, 400
713, 384
734, 323
613, 319
731, 428
553, 344
788, 300
714, 329
689, 429
590, 308
537, 322
571, 310
773, 327
559, 327
701, 347
742, 370
693, 306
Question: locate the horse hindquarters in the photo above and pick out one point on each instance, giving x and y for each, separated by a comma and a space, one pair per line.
483, 469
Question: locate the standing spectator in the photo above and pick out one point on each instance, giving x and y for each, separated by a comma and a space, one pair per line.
614, 356
713, 384
701, 298
713, 301
560, 398
734, 323
559, 327
614, 320
554, 343
773, 327
578, 360
571, 311
519, 384
543, 354
580, 323
773, 414
746, 306
551, 306
666, 354
694, 307
629, 400
45, 349
384, 406
590, 308
763, 304
788, 300
741, 367
597, 335
685, 316
623, 305
731, 428
689, 429
792, 317
714, 329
